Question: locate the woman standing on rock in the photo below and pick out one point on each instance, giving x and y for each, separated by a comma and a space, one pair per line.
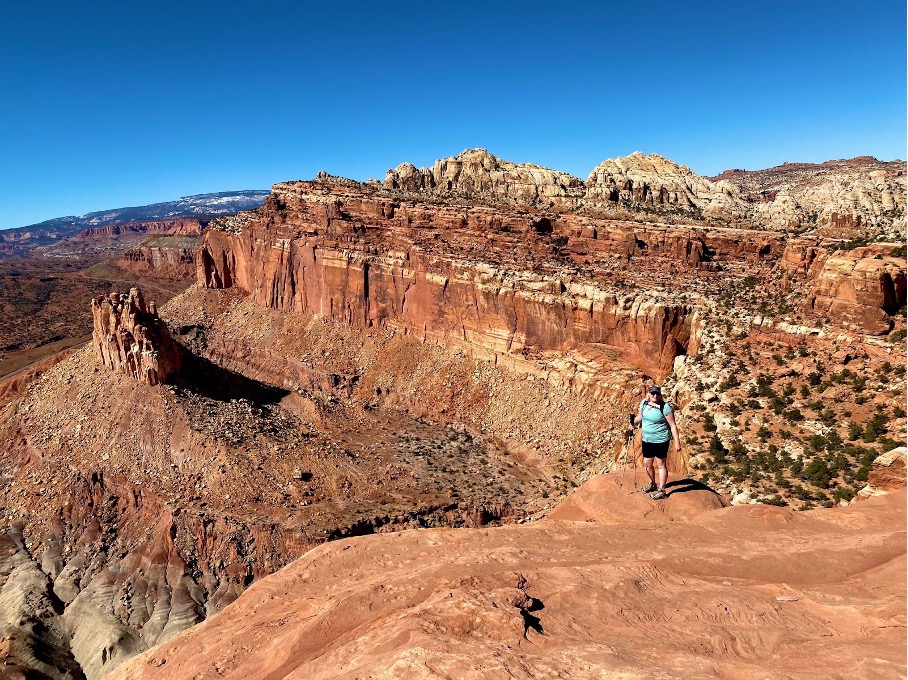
658, 430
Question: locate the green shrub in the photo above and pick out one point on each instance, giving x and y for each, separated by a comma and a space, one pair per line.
887, 444
833, 441
801, 492
793, 415
717, 450
875, 427
728, 383
843, 494
816, 442
817, 473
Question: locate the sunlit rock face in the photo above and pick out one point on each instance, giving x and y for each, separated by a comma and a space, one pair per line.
475, 278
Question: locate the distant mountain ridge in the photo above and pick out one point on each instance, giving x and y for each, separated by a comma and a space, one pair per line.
859, 197
196, 206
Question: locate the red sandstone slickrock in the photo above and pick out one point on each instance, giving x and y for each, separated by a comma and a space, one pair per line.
130, 338
607, 585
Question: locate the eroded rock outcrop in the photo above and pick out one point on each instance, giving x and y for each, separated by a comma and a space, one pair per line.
860, 288
34, 638
887, 475
656, 182
842, 198
477, 174
130, 338
839, 199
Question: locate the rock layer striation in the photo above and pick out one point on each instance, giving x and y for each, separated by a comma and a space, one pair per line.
478, 279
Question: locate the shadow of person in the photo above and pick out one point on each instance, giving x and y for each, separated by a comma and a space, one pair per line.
687, 484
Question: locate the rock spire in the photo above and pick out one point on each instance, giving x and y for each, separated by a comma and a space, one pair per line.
131, 338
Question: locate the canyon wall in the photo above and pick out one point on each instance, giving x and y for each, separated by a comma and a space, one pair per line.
861, 289
503, 282
446, 275
167, 256
183, 227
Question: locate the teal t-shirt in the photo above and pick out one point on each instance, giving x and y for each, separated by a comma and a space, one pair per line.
655, 427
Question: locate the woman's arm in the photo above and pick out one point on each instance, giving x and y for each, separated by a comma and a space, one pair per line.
639, 417
670, 419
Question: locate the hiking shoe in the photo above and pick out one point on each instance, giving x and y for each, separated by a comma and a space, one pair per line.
649, 488
659, 495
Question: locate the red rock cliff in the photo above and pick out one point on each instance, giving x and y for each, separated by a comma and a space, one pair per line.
861, 288
176, 227
473, 278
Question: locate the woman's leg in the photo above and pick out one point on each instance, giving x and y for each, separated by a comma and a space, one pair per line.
661, 477
648, 467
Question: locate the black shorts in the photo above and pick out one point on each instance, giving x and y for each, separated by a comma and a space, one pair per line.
656, 449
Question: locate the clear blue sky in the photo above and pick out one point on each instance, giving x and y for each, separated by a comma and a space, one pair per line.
108, 104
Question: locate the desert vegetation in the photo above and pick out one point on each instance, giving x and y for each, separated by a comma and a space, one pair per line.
794, 426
